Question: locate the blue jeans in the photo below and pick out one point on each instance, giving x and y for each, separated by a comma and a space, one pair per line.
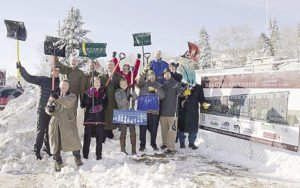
192, 137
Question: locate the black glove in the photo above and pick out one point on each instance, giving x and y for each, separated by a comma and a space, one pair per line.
54, 95
114, 54
51, 107
139, 56
129, 96
18, 65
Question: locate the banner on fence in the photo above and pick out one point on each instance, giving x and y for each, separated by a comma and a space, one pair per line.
243, 106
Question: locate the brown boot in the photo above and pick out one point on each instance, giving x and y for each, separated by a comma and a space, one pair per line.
133, 144
123, 144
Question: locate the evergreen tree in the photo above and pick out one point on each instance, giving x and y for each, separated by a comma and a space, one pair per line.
264, 46
274, 35
73, 33
205, 49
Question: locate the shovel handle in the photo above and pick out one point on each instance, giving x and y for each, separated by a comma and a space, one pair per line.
147, 55
122, 56
18, 61
19, 86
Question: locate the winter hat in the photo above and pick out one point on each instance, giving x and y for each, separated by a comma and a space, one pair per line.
174, 64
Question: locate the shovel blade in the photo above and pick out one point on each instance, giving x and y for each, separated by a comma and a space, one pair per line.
142, 39
92, 50
54, 46
16, 30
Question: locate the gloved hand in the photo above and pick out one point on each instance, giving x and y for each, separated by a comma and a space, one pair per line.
205, 105
152, 89
139, 56
114, 54
54, 95
91, 91
187, 92
18, 65
129, 96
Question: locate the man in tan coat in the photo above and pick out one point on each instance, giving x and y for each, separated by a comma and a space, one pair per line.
76, 78
63, 132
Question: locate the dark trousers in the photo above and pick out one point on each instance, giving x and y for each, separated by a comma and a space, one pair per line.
152, 126
57, 155
42, 131
192, 137
88, 130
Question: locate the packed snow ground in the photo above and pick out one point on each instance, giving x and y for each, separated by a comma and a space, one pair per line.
205, 167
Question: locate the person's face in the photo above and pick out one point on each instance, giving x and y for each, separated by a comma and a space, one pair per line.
64, 87
110, 66
158, 54
123, 85
125, 69
74, 62
167, 76
97, 83
55, 73
151, 77
172, 68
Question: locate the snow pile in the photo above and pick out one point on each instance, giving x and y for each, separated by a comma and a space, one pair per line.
207, 166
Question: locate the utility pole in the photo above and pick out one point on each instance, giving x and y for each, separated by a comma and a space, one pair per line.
267, 16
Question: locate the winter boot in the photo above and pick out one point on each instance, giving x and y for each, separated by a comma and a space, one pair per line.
78, 162
133, 144
38, 155
142, 149
123, 144
193, 146
163, 147
57, 166
47, 151
86, 156
99, 157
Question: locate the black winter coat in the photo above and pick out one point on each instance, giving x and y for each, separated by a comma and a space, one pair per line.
45, 84
87, 103
177, 76
189, 113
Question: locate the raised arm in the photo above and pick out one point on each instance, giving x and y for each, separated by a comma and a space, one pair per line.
29, 78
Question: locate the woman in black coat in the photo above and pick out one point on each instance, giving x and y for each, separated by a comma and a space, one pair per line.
189, 115
94, 117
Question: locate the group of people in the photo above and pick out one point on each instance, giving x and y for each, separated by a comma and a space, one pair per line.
99, 94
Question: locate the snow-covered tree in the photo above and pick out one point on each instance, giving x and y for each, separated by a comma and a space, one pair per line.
236, 41
264, 46
274, 36
72, 31
288, 43
205, 49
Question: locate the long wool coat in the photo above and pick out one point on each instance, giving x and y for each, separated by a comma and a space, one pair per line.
63, 126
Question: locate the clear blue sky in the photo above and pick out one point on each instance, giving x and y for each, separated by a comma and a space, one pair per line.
171, 22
